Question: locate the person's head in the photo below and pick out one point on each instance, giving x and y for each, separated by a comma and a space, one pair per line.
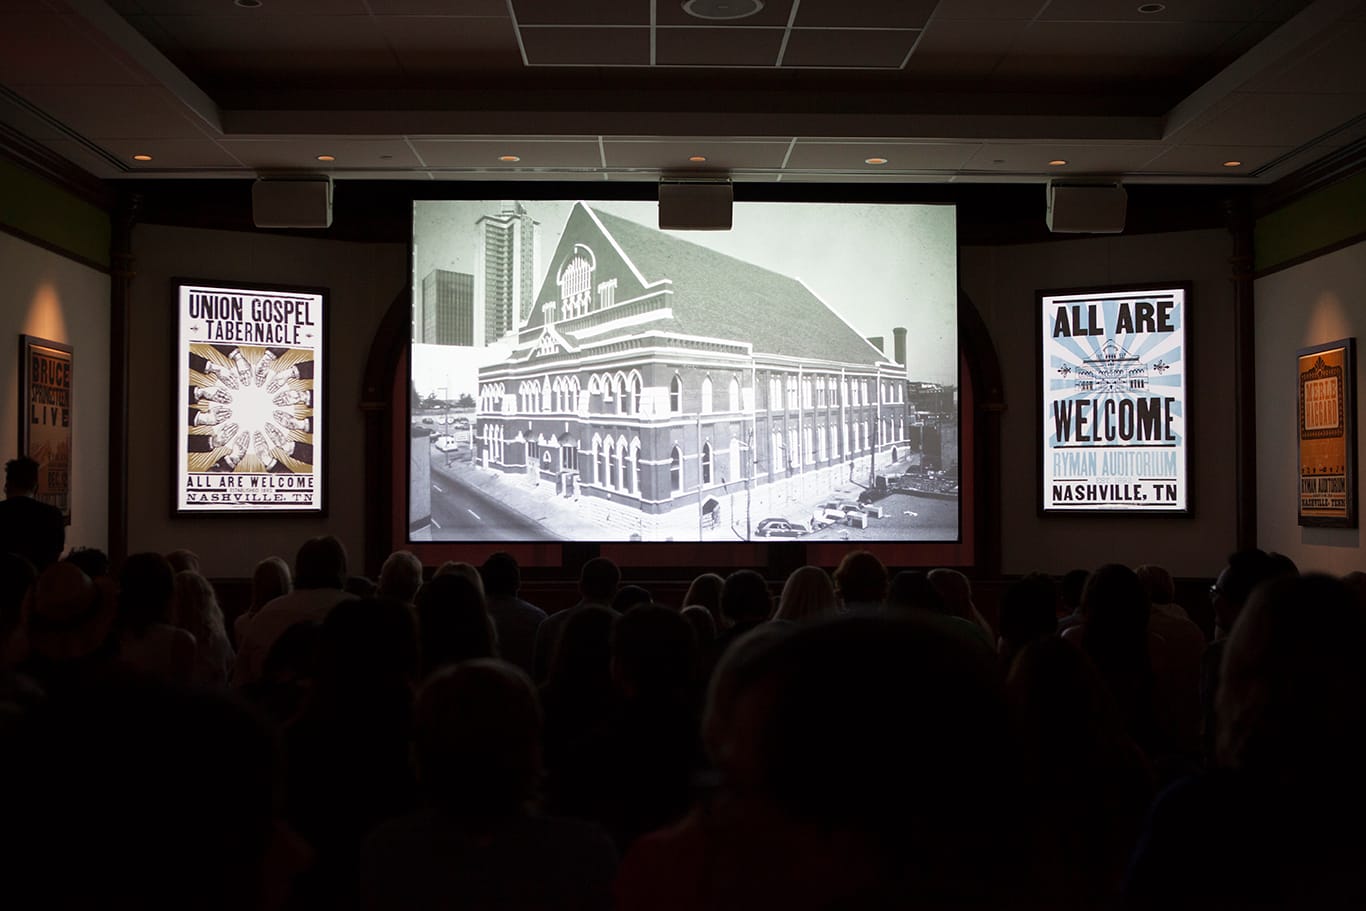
724, 736
1291, 702
861, 579
269, 580
502, 576
654, 654
196, 607
1058, 698
1028, 612
702, 623
1070, 589
477, 740
69, 616
808, 592
465, 571
583, 655
745, 598
453, 623
21, 477
955, 589
91, 560
193, 773
369, 643
598, 580
16, 577
146, 590
183, 561
628, 596
911, 590
400, 577
360, 586
1246, 569
1157, 582
705, 590
1115, 607
320, 563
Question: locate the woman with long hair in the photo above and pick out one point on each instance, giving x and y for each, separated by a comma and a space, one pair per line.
197, 612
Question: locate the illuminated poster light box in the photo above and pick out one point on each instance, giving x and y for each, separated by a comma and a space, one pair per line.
579, 374
1114, 401
251, 398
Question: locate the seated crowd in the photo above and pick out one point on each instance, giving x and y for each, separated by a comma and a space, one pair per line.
855, 739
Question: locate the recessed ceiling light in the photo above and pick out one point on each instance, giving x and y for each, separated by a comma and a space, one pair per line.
1150, 8
327, 157
1057, 162
247, 4
874, 161
698, 158
142, 157
509, 158
1233, 163
722, 9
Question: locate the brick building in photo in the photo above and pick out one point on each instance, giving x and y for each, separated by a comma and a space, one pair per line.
671, 387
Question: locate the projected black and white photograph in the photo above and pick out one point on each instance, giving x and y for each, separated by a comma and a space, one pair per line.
579, 374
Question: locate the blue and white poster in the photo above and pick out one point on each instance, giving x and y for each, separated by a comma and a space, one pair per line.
1114, 400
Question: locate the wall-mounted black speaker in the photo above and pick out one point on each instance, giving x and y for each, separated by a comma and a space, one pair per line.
695, 205
304, 201
1086, 207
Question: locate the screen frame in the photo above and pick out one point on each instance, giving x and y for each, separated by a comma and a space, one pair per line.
321, 396
1136, 289
812, 194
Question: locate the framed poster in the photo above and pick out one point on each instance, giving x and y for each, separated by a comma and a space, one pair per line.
45, 417
1325, 377
251, 398
1114, 402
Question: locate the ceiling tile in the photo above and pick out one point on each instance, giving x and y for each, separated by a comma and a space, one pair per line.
865, 48
170, 153
864, 14
962, 48
430, 45
587, 46
30, 45
843, 156
987, 9
597, 12
302, 152
1274, 120
673, 154
1193, 159
497, 9
484, 154
1336, 63
1033, 158
717, 46
116, 112
774, 13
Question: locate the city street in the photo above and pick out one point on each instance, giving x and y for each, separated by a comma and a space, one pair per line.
461, 512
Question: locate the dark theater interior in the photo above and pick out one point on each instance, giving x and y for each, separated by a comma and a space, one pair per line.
682, 454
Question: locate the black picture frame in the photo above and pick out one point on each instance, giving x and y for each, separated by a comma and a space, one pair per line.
319, 407
1325, 434
1136, 492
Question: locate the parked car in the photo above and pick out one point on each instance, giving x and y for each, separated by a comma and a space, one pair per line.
462, 423
427, 420
779, 528
446, 443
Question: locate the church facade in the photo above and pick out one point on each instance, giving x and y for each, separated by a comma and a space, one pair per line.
672, 388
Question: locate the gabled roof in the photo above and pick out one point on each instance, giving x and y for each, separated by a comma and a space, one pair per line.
719, 296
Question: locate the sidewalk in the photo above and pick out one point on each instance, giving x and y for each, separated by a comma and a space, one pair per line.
560, 515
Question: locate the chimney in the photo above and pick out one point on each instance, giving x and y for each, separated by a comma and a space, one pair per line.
899, 334
877, 342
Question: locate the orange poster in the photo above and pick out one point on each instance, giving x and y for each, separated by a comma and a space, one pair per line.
1327, 435
45, 424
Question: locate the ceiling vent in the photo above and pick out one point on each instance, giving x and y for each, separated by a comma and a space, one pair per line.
722, 9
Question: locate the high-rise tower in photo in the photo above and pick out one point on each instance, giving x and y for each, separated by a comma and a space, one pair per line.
451, 314
507, 263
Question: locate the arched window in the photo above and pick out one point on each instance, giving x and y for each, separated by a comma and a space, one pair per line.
633, 404
734, 394
633, 468
605, 465
618, 458
619, 393
706, 395
676, 394
675, 470
706, 463
593, 460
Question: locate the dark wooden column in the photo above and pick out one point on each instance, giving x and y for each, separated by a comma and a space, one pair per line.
988, 393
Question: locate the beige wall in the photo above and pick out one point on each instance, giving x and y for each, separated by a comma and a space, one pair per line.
1318, 301
363, 279
1002, 282
52, 297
